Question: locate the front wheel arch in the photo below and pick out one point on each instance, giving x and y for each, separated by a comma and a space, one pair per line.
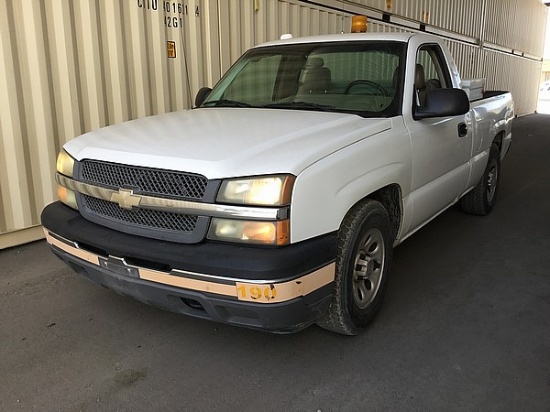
364, 254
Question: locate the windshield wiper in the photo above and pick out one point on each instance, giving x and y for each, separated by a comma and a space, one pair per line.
225, 103
300, 106
281, 105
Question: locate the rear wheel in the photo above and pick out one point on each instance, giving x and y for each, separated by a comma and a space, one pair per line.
481, 199
362, 265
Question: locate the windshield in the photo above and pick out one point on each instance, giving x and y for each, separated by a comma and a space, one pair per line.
353, 77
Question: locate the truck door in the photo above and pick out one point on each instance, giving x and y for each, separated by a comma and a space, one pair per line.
441, 147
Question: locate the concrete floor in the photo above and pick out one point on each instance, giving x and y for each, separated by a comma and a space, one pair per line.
465, 326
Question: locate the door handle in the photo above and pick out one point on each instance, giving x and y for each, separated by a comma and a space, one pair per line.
462, 129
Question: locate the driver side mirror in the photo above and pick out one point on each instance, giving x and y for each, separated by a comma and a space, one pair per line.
442, 103
202, 94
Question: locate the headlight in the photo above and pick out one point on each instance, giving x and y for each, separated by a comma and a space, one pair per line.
241, 231
65, 163
67, 196
65, 166
259, 191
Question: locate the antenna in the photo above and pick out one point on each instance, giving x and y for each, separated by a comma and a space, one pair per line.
343, 13
187, 76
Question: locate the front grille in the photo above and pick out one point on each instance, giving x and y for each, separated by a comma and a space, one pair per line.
145, 218
145, 181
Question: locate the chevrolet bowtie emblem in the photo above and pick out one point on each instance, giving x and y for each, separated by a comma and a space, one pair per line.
126, 198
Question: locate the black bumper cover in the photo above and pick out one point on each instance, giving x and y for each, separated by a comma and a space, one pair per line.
246, 263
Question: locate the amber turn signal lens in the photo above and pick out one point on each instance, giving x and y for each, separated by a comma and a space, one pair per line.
67, 196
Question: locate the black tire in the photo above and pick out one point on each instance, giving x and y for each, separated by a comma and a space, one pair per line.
365, 249
481, 199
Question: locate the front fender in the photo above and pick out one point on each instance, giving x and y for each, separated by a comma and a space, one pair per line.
325, 192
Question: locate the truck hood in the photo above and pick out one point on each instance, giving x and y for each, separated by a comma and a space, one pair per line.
227, 142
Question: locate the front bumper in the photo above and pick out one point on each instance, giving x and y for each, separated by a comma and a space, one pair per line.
278, 289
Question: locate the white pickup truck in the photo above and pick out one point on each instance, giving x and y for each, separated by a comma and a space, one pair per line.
277, 201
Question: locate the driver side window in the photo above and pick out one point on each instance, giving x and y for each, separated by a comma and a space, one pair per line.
430, 72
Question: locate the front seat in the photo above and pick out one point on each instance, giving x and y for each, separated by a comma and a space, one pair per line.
420, 84
317, 78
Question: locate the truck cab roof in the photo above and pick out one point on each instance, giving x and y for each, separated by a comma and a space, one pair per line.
396, 37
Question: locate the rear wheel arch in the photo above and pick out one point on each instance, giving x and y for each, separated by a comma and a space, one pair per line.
481, 199
498, 140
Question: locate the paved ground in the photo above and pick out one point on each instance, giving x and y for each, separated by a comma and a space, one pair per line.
465, 326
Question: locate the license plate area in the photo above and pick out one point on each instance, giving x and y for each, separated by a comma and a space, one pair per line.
118, 266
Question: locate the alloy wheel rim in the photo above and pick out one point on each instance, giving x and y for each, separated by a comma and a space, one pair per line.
368, 268
492, 181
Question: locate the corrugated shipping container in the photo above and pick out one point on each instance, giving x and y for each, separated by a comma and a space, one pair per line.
71, 66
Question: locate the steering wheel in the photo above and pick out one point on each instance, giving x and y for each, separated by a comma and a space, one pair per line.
375, 86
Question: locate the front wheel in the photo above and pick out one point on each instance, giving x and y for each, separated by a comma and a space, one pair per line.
481, 199
362, 266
